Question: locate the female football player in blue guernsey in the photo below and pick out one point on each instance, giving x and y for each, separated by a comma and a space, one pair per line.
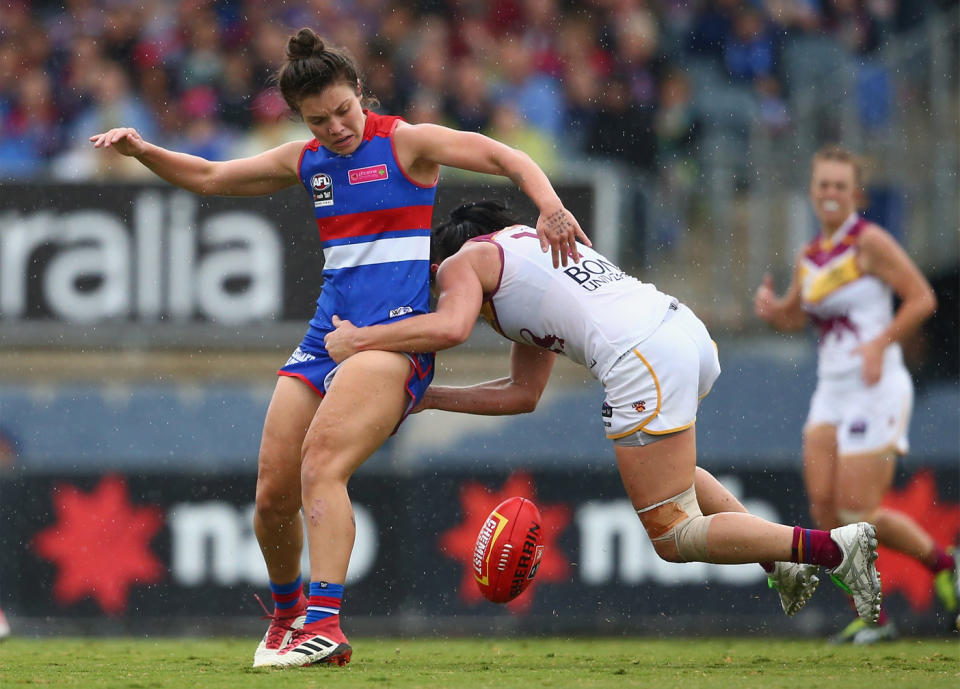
654, 365
372, 179
843, 282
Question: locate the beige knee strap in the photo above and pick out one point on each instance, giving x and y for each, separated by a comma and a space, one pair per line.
679, 519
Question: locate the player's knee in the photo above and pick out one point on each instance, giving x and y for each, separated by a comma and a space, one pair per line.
667, 550
276, 503
321, 464
678, 528
317, 467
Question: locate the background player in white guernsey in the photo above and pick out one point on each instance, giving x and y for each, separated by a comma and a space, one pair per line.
844, 282
655, 360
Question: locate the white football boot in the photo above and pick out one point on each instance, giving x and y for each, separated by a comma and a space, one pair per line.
857, 573
795, 583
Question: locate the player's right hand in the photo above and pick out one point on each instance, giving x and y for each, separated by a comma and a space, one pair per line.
124, 140
559, 231
339, 341
765, 299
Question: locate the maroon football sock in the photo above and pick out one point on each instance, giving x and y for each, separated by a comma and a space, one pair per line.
815, 547
939, 560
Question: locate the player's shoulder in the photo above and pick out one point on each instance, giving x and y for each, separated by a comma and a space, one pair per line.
477, 248
480, 258
287, 155
381, 125
291, 149
872, 234
876, 246
519, 233
402, 130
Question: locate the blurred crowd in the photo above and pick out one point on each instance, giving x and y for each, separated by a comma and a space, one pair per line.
561, 79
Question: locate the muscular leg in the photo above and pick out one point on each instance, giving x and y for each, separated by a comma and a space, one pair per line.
794, 583
820, 473
276, 520
862, 481
654, 473
359, 412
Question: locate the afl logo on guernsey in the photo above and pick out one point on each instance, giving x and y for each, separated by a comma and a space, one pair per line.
322, 185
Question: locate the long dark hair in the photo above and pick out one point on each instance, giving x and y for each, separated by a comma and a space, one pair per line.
467, 221
312, 66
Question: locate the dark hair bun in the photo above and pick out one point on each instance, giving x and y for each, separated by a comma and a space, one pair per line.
305, 44
462, 212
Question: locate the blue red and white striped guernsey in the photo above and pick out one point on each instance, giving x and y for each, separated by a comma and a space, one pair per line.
374, 225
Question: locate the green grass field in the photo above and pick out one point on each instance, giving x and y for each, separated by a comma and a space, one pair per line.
496, 663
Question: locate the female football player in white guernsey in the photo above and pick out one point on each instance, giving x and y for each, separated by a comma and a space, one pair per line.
843, 282
372, 180
655, 361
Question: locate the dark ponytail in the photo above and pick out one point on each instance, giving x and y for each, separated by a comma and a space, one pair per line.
466, 222
312, 66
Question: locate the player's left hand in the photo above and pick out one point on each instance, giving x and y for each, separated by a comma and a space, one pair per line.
339, 341
559, 231
872, 353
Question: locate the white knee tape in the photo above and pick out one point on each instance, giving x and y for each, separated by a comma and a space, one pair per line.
692, 539
680, 520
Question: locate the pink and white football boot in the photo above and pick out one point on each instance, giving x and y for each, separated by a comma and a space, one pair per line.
283, 623
318, 642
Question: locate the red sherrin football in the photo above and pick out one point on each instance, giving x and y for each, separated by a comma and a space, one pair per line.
508, 551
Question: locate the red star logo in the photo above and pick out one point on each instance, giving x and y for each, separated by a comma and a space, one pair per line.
100, 544
938, 518
477, 502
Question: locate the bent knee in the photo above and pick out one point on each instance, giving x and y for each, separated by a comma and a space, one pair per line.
321, 464
667, 550
677, 528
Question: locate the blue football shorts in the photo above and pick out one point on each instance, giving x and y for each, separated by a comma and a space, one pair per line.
314, 367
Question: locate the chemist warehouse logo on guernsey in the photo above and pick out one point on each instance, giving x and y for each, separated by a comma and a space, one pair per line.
362, 175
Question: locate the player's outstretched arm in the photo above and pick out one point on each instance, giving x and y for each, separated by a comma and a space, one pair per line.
264, 173
557, 229
518, 393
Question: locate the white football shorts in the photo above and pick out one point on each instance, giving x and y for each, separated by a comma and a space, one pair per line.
656, 387
868, 419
